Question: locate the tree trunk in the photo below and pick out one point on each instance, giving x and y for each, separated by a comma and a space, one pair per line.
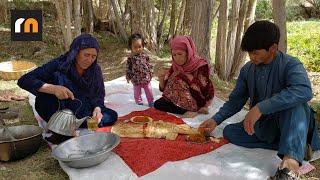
249, 19
126, 14
214, 15
172, 19
88, 15
136, 17
201, 27
279, 16
151, 26
159, 32
237, 51
77, 17
187, 17
231, 40
181, 16
68, 21
103, 11
91, 18
64, 21
120, 8
3, 9
123, 34
221, 42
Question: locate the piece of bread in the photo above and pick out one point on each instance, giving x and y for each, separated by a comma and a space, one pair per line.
128, 130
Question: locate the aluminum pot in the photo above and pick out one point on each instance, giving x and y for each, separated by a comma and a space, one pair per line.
87, 150
27, 140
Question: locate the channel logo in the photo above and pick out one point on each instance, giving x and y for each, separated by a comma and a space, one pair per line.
26, 25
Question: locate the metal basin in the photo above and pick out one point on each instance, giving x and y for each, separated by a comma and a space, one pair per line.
27, 141
87, 150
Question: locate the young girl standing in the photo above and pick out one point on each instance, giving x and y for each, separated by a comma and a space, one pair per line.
139, 70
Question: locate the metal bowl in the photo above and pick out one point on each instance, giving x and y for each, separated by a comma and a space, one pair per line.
27, 140
87, 150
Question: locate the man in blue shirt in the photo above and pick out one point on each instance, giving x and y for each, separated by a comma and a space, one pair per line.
278, 89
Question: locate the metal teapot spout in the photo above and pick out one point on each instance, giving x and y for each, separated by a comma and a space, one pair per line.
80, 121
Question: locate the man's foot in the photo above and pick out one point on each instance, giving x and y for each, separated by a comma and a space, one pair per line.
285, 174
141, 104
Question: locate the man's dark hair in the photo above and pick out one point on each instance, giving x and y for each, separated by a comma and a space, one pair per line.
260, 35
135, 37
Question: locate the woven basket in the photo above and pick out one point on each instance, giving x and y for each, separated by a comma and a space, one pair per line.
13, 70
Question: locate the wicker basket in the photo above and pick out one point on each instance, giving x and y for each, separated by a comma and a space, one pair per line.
13, 70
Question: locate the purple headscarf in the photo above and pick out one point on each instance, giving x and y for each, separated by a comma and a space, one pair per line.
91, 82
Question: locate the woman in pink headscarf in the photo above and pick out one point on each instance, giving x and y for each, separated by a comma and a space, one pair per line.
187, 88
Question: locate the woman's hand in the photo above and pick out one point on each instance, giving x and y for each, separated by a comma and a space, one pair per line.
96, 114
189, 114
162, 76
189, 76
60, 92
203, 110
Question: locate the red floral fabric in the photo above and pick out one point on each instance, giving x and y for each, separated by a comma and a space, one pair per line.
189, 94
139, 69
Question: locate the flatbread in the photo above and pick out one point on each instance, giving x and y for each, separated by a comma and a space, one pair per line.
128, 130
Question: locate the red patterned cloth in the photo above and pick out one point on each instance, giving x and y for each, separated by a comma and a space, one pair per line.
189, 94
144, 155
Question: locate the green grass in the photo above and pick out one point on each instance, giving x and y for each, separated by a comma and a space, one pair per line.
304, 43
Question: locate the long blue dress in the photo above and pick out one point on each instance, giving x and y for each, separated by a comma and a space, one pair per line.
89, 88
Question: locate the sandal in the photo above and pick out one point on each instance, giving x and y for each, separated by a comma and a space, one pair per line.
285, 174
8, 114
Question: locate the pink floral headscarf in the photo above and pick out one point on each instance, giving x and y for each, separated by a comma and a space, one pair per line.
194, 61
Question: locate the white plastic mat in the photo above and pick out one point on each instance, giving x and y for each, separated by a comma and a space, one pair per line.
227, 162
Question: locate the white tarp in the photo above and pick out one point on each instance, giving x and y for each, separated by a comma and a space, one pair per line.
227, 162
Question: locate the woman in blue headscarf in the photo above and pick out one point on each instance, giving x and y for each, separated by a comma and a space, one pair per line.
73, 75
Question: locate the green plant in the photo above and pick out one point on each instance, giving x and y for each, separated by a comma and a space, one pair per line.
304, 43
263, 10
165, 52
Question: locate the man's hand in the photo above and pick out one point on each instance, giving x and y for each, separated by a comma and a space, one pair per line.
62, 92
250, 120
96, 114
207, 126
